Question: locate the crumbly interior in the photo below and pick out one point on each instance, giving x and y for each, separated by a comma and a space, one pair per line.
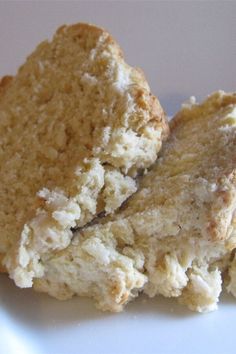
77, 124
176, 236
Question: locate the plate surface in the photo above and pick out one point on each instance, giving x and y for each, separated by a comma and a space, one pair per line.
184, 48
32, 323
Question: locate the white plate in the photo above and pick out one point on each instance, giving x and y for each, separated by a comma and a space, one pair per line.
184, 49
32, 323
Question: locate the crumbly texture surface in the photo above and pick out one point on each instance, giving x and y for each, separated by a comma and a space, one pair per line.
176, 236
77, 125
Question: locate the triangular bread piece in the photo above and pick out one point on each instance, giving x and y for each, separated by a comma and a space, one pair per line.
77, 125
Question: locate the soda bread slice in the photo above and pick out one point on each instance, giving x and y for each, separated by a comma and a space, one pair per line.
77, 124
177, 235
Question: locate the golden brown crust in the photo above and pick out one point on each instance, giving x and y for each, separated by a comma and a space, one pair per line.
2, 268
157, 115
223, 100
4, 83
79, 30
215, 105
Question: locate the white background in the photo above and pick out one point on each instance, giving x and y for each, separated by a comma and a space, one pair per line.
185, 48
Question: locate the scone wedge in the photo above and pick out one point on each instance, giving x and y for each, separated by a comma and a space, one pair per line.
177, 235
77, 125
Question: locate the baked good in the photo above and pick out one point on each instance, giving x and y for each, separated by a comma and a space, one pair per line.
176, 236
77, 125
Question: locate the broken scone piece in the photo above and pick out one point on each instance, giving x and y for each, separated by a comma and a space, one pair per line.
176, 236
77, 124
